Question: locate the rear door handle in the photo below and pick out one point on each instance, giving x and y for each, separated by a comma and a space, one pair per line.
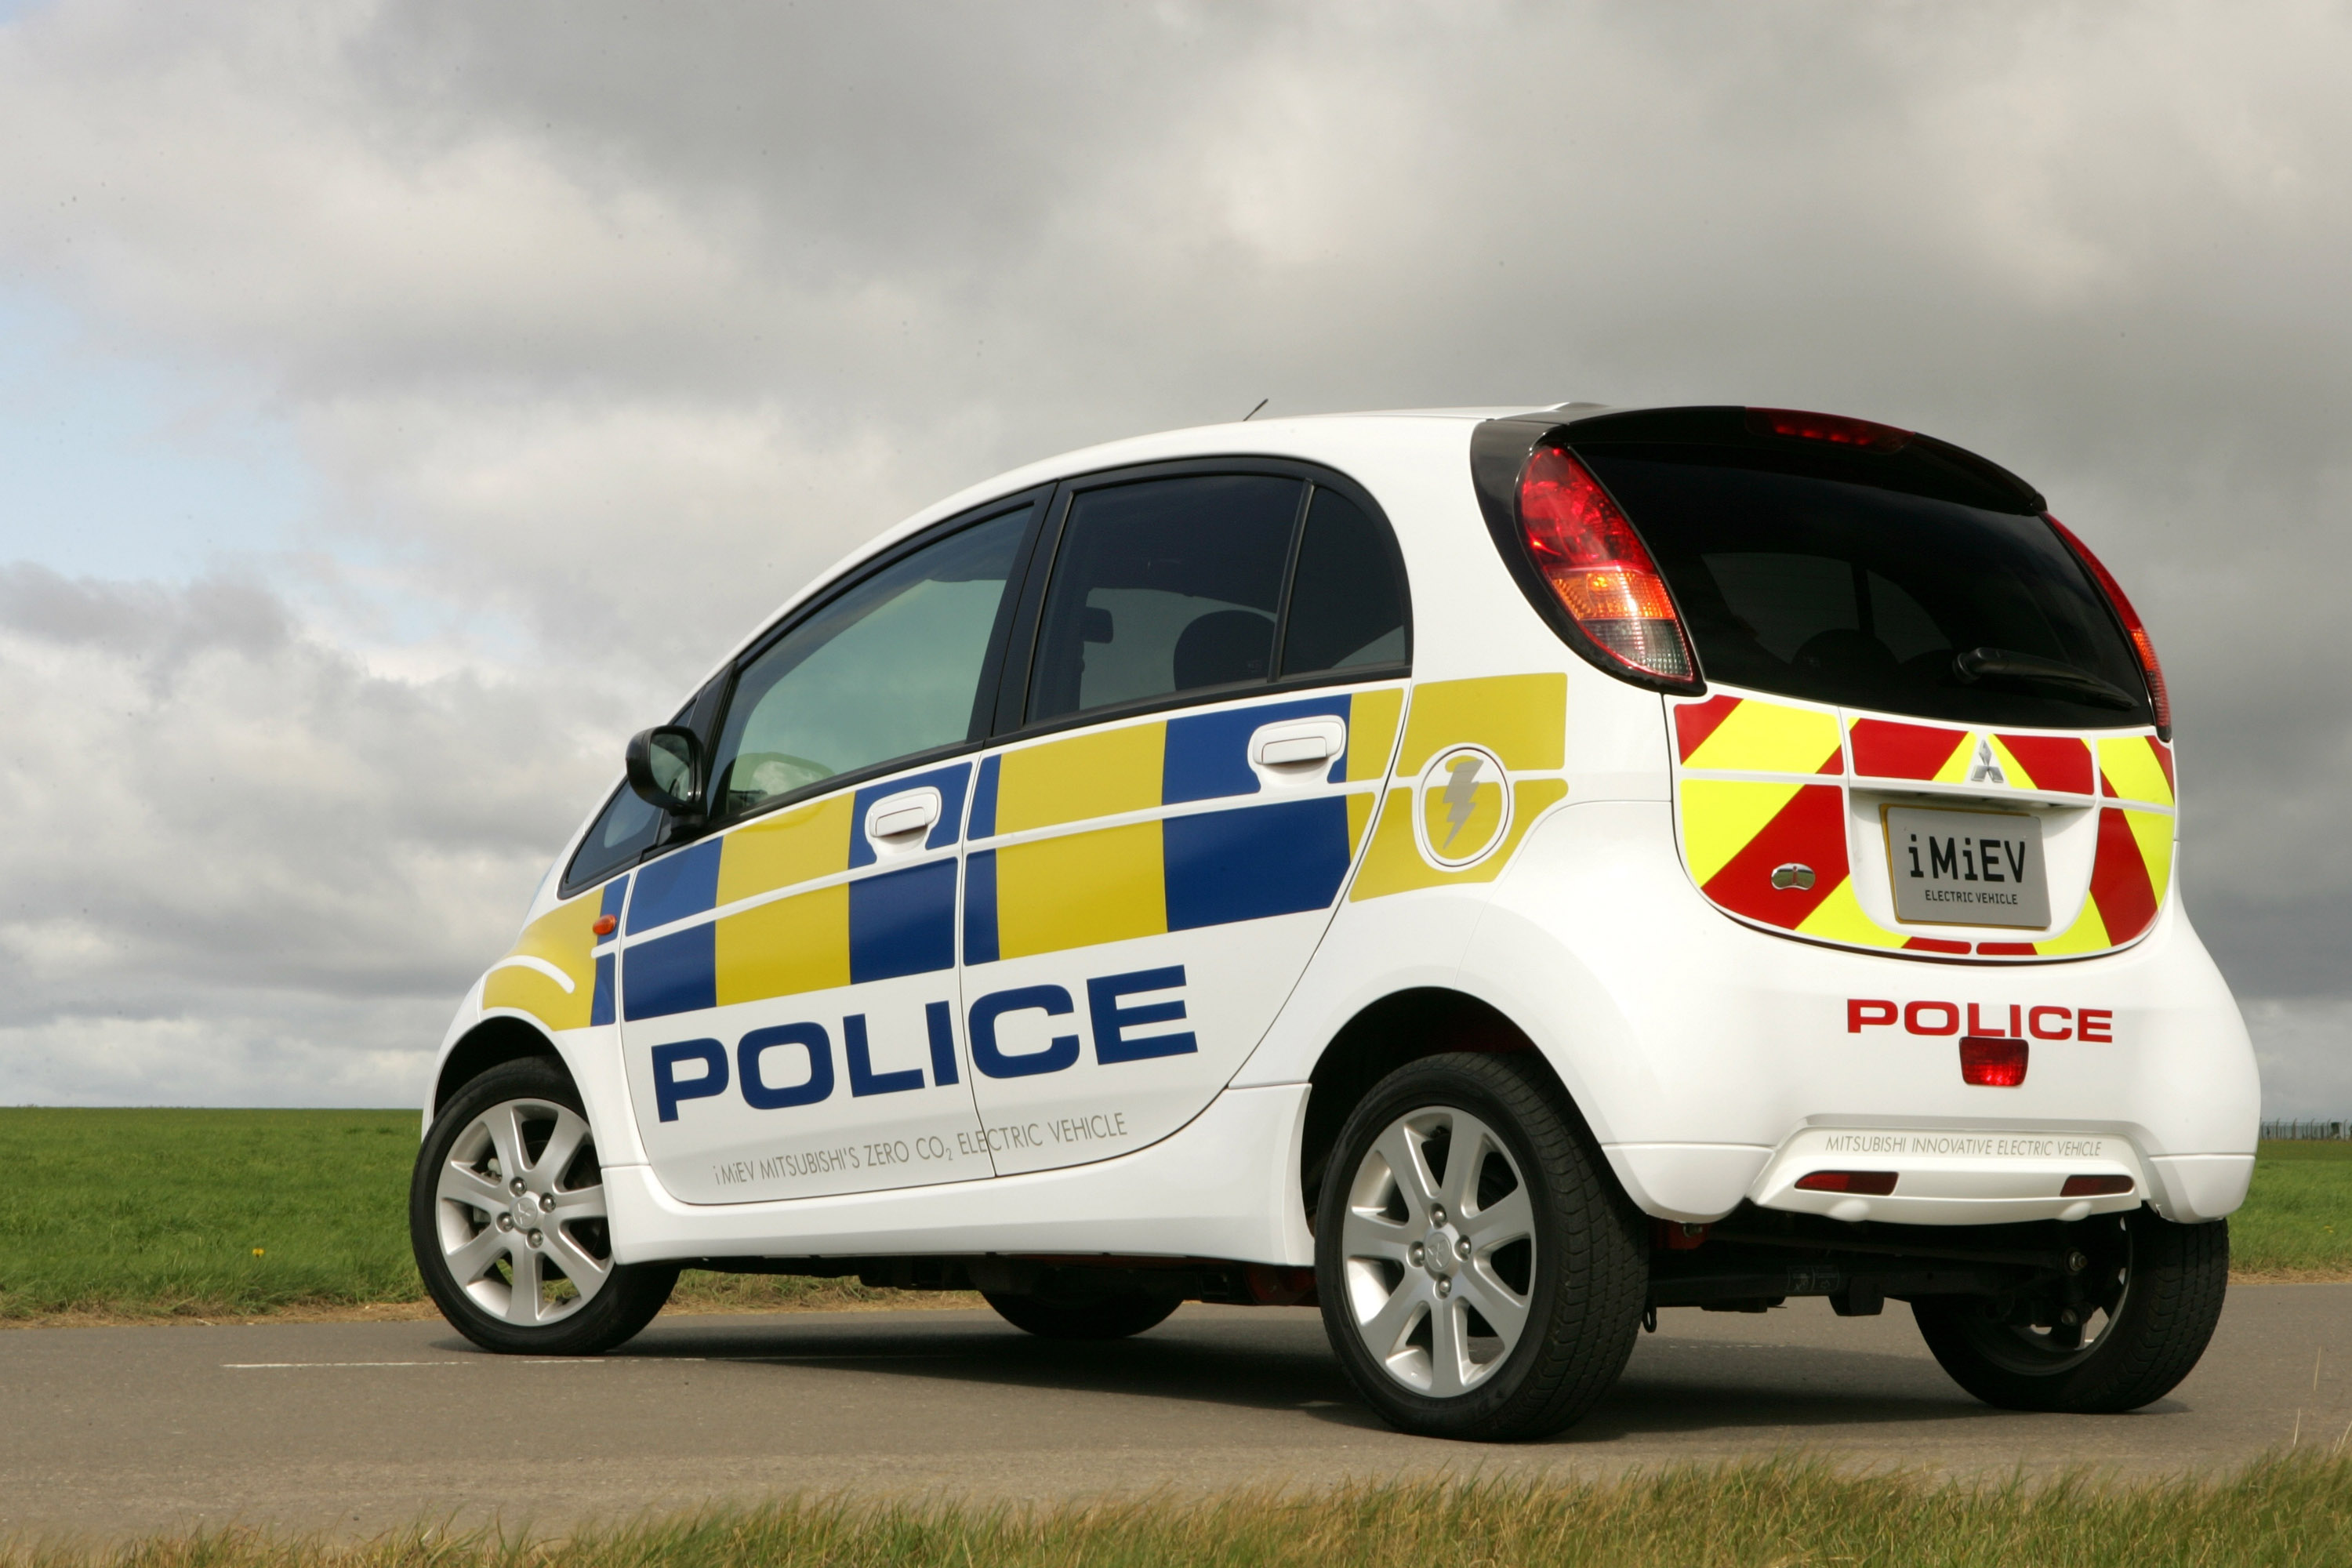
1299, 743
896, 817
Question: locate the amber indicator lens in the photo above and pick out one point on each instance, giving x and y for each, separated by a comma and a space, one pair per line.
1991, 1061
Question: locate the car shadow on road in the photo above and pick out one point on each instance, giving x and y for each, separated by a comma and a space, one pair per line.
1282, 1363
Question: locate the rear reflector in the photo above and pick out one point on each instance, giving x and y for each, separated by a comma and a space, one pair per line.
1838, 429
1992, 1061
2142, 645
2094, 1186
1872, 1184
1598, 567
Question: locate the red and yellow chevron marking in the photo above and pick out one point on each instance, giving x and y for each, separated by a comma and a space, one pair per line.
2135, 767
1740, 734
2131, 874
1890, 749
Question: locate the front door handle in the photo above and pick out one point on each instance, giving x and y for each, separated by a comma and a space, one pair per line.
895, 817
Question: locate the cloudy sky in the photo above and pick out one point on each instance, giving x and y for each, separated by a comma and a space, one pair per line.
400, 404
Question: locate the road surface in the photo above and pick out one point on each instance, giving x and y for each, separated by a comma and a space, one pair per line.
359, 1427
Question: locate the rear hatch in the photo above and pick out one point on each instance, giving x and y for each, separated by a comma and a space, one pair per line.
1926, 724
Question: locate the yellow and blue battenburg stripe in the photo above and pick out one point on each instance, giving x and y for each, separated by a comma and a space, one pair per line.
1182, 871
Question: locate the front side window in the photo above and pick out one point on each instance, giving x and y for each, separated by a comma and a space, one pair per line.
1162, 586
889, 668
623, 831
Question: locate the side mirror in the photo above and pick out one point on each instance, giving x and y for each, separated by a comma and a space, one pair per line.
665, 769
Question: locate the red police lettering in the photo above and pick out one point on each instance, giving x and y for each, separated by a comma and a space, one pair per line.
2096, 1025
2033, 1022
1916, 1010
1859, 1013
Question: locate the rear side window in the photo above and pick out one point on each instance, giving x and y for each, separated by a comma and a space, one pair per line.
1162, 586
889, 668
1347, 596
1843, 593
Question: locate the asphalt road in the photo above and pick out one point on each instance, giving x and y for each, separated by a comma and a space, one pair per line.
364, 1426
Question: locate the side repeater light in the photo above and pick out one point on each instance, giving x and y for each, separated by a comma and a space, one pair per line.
1992, 1061
1598, 567
1870, 1183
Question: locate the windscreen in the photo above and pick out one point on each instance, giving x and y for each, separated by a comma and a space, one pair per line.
1811, 587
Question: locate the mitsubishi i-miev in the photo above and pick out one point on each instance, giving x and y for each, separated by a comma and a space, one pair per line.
1492, 876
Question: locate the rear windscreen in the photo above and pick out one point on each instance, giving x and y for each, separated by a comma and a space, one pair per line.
1842, 593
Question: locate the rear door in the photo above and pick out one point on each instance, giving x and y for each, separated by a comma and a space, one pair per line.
1210, 698
790, 1008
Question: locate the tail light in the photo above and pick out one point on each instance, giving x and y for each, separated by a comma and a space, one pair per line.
1599, 568
2141, 643
1872, 1184
1992, 1061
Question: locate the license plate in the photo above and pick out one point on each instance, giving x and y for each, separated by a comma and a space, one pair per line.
1960, 867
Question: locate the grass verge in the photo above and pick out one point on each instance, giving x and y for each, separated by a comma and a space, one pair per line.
2289, 1508
109, 1216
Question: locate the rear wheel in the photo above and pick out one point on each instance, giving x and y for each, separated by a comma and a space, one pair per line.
2129, 1324
1481, 1275
1105, 1317
507, 1217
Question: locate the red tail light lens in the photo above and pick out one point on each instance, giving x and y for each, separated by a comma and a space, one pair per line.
1835, 428
2094, 1186
1991, 1061
2141, 643
1599, 568
1871, 1184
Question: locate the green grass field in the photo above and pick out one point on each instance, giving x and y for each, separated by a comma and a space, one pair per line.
206, 1213
2295, 1508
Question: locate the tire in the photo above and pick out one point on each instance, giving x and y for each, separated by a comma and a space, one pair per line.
521, 1124
1532, 1241
1111, 1318
2144, 1306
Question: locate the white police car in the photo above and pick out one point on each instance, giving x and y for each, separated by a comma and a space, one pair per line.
1497, 875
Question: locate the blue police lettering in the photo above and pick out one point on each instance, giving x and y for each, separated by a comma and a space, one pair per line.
768, 1076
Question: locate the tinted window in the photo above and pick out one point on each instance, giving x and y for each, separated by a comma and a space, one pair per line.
1850, 593
1162, 586
621, 832
1347, 596
888, 668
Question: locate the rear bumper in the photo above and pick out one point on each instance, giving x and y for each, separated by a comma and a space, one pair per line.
1718, 1063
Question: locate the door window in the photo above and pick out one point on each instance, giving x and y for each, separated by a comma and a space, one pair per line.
1347, 599
889, 668
1163, 586
624, 830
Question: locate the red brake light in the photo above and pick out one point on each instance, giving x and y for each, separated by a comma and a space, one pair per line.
1872, 1184
1836, 429
1992, 1061
2141, 643
2094, 1186
1599, 568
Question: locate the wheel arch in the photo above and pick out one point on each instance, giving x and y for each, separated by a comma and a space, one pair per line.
491, 1043
1399, 1027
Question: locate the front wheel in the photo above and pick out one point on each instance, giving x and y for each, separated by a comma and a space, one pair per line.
1481, 1275
2128, 1325
507, 1217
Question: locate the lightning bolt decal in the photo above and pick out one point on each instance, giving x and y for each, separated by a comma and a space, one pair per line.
1461, 795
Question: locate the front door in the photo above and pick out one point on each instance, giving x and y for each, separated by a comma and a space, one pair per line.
790, 1010
1143, 891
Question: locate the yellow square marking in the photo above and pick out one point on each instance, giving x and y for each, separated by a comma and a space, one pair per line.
1720, 815
1100, 773
1767, 738
780, 949
1360, 811
2130, 764
792, 846
1371, 731
1395, 865
1080, 889
1522, 719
